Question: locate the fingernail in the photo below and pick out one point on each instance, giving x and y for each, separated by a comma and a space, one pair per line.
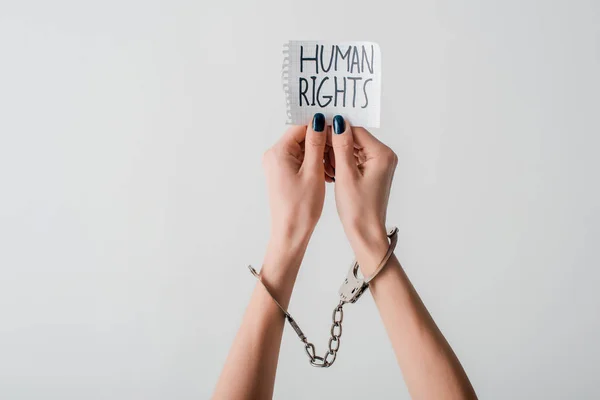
319, 122
339, 126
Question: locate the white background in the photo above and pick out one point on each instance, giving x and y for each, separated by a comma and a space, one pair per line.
132, 196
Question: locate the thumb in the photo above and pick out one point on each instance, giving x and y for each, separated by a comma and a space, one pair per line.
314, 144
342, 142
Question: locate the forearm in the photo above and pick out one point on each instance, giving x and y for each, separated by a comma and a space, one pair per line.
249, 372
429, 366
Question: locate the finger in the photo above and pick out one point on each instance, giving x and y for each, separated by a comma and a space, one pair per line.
371, 148
331, 153
330, 142
314, 144
365, 140
361, 156
329, 170
295, 133
343, 146
292, 142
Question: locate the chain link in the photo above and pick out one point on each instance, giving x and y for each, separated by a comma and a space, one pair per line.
334, 341
351, 290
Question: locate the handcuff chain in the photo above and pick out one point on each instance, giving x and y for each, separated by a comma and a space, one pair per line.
334, 341
350, 291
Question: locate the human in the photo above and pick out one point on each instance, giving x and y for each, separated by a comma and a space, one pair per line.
361, 169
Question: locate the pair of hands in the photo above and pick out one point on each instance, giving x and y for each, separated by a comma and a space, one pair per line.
362, 168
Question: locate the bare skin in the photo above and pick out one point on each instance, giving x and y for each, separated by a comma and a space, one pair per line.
363, 169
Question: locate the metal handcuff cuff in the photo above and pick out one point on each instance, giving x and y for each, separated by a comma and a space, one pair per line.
350, 291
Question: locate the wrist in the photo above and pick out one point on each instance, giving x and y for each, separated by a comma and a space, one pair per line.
290, 235
284, 255
369, 245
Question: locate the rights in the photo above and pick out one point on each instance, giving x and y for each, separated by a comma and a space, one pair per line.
345, 90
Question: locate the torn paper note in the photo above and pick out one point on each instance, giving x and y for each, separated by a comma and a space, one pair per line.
332, 78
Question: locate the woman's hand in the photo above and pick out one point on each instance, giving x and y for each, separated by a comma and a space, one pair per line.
295, 171
364, 169
295, 177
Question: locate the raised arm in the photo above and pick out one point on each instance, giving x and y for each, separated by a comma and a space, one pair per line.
295, 171
364, 169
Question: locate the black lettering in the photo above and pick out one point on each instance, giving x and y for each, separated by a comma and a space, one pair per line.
335, 78
303, 92
354, 60
302, 58
365, 92
366, 57
330, 59
314, 79
325, 97
354, 89
343, 55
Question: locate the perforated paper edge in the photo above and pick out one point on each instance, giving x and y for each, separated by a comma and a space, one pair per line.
285, 81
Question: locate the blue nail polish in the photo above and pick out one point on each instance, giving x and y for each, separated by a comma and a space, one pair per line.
318, 122
339, 126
